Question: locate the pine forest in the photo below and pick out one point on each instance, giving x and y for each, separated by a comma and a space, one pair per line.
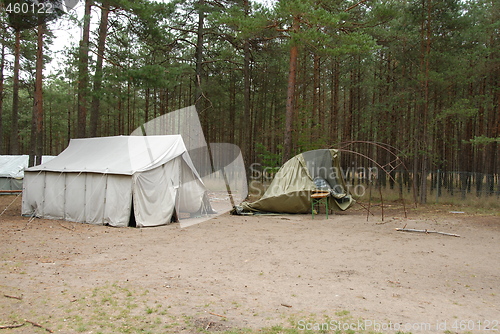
275, 78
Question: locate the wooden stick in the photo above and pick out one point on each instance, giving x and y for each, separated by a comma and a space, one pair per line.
71, 229
14, 297
286, 305
222, 316
38, 325
12, 326
426, 231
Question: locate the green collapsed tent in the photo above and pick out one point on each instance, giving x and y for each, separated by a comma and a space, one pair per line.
290, 191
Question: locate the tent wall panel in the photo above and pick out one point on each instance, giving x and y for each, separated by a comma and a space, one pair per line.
33, 186
95, 198
118, 200
5, 183
52, 207
191, 190
8, 183
74, 197
154, 205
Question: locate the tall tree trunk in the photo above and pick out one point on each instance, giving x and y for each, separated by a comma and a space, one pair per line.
426, 35
334, 105
83, 72
232, 109
146, 105
96, 98
316, 98
199, 55
37, 126
2, 66
290, 97
14, 128
349, 110
247, 143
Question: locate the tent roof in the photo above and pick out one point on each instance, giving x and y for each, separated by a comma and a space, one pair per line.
13, 165
115, 155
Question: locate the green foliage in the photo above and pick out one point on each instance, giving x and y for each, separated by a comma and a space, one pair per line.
460, 110
483, 140
155, 75
266, 157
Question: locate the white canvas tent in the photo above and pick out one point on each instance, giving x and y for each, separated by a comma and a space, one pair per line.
106, 180
12, 170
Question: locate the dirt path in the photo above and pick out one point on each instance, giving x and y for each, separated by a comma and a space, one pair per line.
252, 272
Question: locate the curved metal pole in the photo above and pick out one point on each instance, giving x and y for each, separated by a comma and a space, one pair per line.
377, 144
382, 168
386, 148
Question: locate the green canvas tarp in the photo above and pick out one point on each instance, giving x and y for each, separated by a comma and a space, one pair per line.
290, 191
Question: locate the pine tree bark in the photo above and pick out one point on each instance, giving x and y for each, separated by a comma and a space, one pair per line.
96, 98
426, 35
247, 130
83, 72
334, 105
316, 98
14, 128
290, 98
200, 37
2, 67
37, 125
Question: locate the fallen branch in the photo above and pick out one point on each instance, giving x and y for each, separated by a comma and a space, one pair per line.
286, 305
426, 231
68, 228
222, 316
12, 326
208, 326
13, 297
38, 325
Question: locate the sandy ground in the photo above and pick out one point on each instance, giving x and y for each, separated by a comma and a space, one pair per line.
252, 272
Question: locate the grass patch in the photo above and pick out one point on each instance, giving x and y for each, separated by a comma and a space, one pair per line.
113, 308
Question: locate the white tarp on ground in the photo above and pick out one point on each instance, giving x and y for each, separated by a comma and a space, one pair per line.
12, 170
95, 180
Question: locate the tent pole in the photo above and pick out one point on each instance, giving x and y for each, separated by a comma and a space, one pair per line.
64, 200
105, 197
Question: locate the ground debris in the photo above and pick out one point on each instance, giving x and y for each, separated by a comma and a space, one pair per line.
11, 326
426, 231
